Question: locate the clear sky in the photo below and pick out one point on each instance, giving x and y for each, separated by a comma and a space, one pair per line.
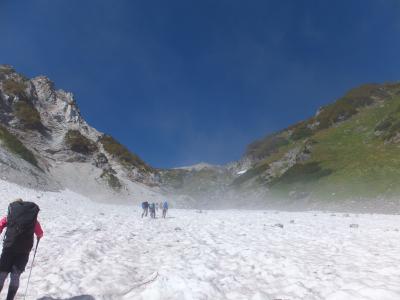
180, 82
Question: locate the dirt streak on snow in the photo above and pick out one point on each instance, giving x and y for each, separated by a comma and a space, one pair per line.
109, 252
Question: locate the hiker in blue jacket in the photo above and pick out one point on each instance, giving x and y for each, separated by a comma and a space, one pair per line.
145, 206
165, 208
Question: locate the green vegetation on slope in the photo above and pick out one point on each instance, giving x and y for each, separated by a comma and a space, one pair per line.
301, 131
302, 173
15, 87
341, 110
111, 179
361, 162
23, 108
349, 104
28, 115
390, 125
267, 146
79, 143
251, 173
5, 70
122, 154
353, 153
14, 145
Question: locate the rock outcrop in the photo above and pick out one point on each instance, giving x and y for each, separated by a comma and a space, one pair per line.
47, 144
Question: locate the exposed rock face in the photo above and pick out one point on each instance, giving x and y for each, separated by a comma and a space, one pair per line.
101, 161
48, 123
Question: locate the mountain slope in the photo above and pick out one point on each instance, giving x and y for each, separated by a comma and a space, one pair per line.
48, 145
349, 149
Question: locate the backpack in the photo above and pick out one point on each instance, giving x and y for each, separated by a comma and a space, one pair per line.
21, 221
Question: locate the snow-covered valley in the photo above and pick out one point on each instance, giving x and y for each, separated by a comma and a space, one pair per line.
109, 252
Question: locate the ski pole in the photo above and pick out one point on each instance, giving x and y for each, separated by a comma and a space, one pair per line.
30, 272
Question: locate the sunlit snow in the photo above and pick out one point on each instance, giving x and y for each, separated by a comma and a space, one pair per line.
109, 252
241, 172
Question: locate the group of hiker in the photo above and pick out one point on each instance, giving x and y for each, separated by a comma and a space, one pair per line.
153, 207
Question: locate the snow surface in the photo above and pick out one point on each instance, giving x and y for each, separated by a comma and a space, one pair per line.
241, 172
109, 252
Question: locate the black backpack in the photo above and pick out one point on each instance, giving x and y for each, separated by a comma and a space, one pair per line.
21, 221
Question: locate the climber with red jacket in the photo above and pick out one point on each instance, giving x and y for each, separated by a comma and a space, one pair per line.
22, 224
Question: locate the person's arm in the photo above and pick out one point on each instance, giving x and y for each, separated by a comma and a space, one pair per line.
3, 224
38, 230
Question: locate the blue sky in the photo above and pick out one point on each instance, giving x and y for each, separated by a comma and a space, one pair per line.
180, 82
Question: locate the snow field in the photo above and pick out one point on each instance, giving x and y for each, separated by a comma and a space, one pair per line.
109, 252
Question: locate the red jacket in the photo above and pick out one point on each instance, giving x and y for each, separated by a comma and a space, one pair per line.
38, 228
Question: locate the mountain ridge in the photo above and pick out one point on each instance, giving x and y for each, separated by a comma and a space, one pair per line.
309, 153
48, 145
314, 162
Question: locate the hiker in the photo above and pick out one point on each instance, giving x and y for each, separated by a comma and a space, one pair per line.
21, 223
152, 208
165, 208
145, 206
161, 205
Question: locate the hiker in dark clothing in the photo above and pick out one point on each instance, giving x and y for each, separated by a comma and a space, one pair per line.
152, 208
145, 206
165, 209
22, 224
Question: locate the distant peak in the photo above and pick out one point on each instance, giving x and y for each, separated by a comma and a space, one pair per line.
199, 166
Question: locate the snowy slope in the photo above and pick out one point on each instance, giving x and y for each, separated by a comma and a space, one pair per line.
109, 252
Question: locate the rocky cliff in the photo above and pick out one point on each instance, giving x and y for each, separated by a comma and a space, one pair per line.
47, 144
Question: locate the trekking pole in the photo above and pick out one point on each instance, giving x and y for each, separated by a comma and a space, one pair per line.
30, 272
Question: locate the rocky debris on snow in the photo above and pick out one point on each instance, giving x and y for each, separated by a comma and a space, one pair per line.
279, 225
297, 195
353, 225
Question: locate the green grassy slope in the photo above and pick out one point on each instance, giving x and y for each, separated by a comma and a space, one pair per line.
363, 163
356, 155
122, 154
14, 145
